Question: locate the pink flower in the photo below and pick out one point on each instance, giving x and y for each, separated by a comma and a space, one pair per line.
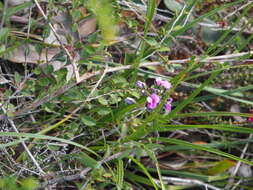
152, 101
158, 81
168, 105
250, 119
163, 83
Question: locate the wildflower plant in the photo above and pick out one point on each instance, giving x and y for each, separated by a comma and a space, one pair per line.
154, 94
107, 131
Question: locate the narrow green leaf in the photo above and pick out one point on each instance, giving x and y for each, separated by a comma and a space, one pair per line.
87, 160
204, 148
120, 174
221, 167
145, 171
191, 175
192, 96
4, 32
13, 10
209, 114
30, 135
137, 178
191, 24
88, 120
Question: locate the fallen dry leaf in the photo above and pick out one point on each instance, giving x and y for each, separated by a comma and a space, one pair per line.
87, 27
46, 56
18, 55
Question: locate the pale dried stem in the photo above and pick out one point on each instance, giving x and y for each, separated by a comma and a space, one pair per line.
97, 84
182, 181
82, 174
24, 145
237, 167
72, 60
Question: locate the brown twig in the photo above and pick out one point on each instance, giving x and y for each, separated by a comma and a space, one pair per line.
11, 122
72, 60
80, 175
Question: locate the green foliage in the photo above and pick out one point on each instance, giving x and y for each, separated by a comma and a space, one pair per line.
4, 32
100, 132
106, 18
11, 183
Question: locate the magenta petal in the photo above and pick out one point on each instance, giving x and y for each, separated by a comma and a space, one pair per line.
158, 81
152, 101
155, 98
250, 119
163, 83
170, 100
149, 99
166, 84
168, 105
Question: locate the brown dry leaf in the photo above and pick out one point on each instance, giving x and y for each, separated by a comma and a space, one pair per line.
87, 27
18, 55
63, 24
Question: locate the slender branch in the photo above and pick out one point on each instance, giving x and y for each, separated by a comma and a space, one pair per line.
238, 165
80, 175
72, 60
188, 182
24, 145
4, 13
97, 84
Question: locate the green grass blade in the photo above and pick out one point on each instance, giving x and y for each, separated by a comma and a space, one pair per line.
219, 69
160, 127
227, 32
143, 168
37, 136
191, 175
190, 25
208, 114
137, 178
204, 148
192, 96
120, 174
222, 127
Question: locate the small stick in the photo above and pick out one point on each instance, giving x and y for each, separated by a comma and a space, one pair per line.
80, 175
24, 145
188, 182
72, 60
97, 84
